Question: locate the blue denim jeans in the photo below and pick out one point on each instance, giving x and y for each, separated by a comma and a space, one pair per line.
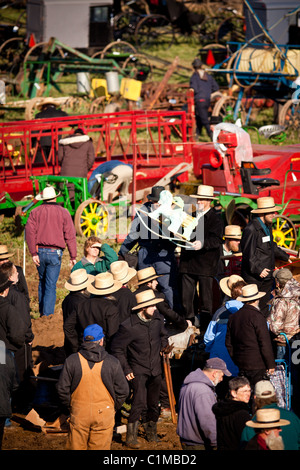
49, 269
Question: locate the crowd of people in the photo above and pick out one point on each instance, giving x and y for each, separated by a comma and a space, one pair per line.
117, 320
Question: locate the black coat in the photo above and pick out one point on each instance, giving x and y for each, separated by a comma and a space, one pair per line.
8, 384
12, 330
100, 310
231, 418
204, 262
111, 374
164, 309
248, 340
20, 302
125, 300
73, 332
138, 344
258, 253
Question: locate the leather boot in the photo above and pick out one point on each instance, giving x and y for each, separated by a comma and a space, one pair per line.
131, 435
151, 431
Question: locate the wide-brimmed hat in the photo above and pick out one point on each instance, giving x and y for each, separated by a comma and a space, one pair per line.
226, 283
47, 193
4, 254
146, 275
204, 192
4, 282
46, 101
233, 231
265, 205
155, 193
250, 292
267, 418
104, 284
79, 280
146, 299
121, 271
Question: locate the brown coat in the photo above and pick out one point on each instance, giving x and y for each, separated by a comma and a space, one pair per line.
76, 155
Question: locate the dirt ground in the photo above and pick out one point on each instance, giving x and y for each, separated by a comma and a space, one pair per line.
47, 351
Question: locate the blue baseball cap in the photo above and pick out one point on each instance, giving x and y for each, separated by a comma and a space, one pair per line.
93, 333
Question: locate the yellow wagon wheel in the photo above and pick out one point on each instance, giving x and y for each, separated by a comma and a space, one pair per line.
284, 232
91, 219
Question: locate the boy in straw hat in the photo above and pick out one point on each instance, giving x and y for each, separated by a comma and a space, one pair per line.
48, 230
125, 298
99, 308
230, 261
199, 263
247, 338
77, 286
259, 250
138, 345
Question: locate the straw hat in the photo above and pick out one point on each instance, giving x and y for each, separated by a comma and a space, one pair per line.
79, 280
48, 193
121, 271
46, 101
227, 282
250, 292
4, 254
267, 418
146, 275
233, 231
146, 299
265, 205
103, 284
204, 192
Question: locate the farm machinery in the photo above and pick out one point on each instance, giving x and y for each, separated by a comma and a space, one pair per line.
259, 73
240, 177
156, 144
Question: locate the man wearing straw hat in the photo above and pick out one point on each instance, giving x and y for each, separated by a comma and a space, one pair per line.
99, 308
248, 339
125, 298
267, 424
138, 345
230, 261
77, 286
199, 263
259, 250
48, 230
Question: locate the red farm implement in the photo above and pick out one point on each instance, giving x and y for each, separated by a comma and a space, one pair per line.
157, 144
271, 171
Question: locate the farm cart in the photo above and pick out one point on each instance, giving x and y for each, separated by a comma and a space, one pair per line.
91, 216
261, 73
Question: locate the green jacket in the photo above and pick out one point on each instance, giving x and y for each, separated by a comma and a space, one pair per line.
102, 264
290, 433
